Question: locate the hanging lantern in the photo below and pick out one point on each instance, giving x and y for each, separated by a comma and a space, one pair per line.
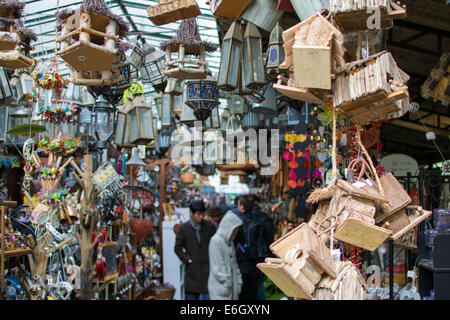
236, 104
187, 116
17, 116
121, 132
213, 122
177, 102
135, 159
252, 59
158, 104
166, 110
152, 68
6, 94
269, 106
140, 117
257, 96
224, 118
174, 86
137, 57
202, 97
275, 53
102, 122
3, 122
228, 79
21, 84
164, 140
289, 116
250, 120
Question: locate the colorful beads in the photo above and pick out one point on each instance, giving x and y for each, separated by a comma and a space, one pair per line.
53, 197
59, 112
66, 146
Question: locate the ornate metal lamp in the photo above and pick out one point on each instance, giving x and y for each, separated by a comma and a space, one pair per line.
275, 53
228, 78
102, 122
6, 93
140, 117
152, 66
202, 97
252, 59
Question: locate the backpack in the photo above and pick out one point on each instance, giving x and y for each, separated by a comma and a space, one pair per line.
253, 243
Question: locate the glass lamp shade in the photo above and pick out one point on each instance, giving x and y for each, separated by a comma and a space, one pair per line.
73, 94
3, 122
152, 70
121, 132
166, 110
187, 116
224, 117
140, 117
253, 76
164, 140
6, 94
177, 101
269, 106
158, 103
202, 96
213, 122
228, 79
236, 105
102, 120
21, 85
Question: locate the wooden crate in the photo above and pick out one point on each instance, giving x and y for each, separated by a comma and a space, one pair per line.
352, 16
228, 8
168, 11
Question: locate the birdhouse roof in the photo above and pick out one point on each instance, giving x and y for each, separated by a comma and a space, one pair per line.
17, 7
189, 36
99, 7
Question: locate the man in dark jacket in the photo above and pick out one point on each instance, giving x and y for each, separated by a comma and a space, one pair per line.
223, 204
251, 275
191, 246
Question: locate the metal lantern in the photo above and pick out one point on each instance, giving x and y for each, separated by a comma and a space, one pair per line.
3, 122
252, 59
250, 120
121, 130
187, 116
140, 117
289, 116
102, 122
152, 68
213, 122
158, 104
275, 53
135, 159
6, 94
166, 110
137, 57
174, 86
228, 78
202, 96
269, 106
164, 140
21, 84
177, 101
17, 116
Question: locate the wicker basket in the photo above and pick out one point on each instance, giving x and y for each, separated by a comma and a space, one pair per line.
187, 178
396, 194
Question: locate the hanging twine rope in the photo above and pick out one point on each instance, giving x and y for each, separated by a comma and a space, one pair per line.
334, 181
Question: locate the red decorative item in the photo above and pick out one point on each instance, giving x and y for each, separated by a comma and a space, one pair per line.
285, 5
100, 268
141, 228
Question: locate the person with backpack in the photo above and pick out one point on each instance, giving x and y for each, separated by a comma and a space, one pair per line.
192, 247
251, 248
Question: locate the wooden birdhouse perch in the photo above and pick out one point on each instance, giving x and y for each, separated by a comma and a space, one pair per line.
167, 11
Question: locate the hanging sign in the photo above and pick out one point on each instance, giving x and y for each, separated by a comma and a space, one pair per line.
400, 164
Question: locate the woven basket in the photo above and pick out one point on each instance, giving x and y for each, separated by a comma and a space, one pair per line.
167, 11
397, 196
187, 178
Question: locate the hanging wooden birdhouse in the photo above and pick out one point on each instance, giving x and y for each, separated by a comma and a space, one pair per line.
371, 89
186, 43
114, 75
167, 11
89, 37
352, 16
228, 8
313, 50
15, 40
306, 8
437, 84
9, 12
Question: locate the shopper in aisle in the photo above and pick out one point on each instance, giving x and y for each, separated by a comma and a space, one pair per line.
222, 204
191, 246
250, 248
214, 214
225, 280
269, 233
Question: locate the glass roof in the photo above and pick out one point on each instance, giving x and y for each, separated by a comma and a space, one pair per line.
40, 16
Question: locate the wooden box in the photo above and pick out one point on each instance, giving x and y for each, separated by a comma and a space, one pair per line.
353, 16
228, 8
168, 11
89, 41
108, 77
304, 238
371, 89
312, 67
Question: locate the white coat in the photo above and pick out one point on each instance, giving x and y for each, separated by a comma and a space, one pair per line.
225, 280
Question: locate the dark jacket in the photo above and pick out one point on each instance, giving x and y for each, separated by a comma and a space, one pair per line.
224, 207
187, 247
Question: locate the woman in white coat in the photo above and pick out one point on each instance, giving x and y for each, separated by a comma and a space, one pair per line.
225, 281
